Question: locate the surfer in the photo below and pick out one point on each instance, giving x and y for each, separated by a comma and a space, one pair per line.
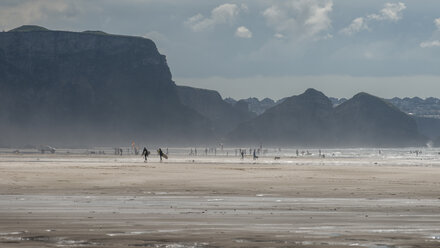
161, 154
145, 153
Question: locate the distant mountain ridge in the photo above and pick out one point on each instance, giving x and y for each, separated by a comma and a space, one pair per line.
426, 112
428, 107
309, 119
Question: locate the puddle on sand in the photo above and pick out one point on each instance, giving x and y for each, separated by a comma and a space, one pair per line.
12, 233
142, 232
75, 243
174, 245
360, 245
217, 199
379, 246
126, 233
58, 241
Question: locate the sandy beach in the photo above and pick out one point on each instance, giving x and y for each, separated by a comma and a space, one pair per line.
79, 200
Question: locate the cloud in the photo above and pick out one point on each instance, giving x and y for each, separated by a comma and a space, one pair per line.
437, 23
225, 13
156, 36
428, 44
243, 32
390, 12
31, 12
356, 25
432, 43
279, 36
244, 7
299, 18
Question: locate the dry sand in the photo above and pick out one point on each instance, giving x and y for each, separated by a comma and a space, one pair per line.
110, 201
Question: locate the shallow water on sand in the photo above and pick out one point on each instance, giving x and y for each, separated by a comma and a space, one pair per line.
174, 215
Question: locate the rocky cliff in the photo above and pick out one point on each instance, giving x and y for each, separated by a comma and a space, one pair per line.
68, 87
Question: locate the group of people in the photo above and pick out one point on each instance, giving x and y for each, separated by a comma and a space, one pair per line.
146, 153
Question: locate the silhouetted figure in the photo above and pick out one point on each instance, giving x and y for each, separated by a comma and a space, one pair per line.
145, 153
161, 154
242, 154
255, 155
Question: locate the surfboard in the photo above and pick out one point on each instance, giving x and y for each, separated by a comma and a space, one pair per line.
165, 156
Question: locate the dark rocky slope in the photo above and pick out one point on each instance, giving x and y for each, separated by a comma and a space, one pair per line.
305, 119
209, 103
366, 120
309, 119
67, 87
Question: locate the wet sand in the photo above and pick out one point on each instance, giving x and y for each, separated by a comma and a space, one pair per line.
111, 201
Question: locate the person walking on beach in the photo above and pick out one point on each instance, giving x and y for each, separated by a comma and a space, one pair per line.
145, 153
160, 154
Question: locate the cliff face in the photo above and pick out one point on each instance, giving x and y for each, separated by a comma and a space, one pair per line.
210, 104
102, 87
310, 120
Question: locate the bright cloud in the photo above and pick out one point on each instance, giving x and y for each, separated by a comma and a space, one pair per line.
390, 12
437, 23
243, 32
428, 44
432, 43
222, 14
299, 18
356, 25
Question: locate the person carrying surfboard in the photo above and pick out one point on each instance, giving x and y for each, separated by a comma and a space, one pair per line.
161, 154
145, 153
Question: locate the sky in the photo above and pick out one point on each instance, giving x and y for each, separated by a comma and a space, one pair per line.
268, 48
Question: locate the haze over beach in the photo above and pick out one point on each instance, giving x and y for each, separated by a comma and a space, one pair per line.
219, 124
